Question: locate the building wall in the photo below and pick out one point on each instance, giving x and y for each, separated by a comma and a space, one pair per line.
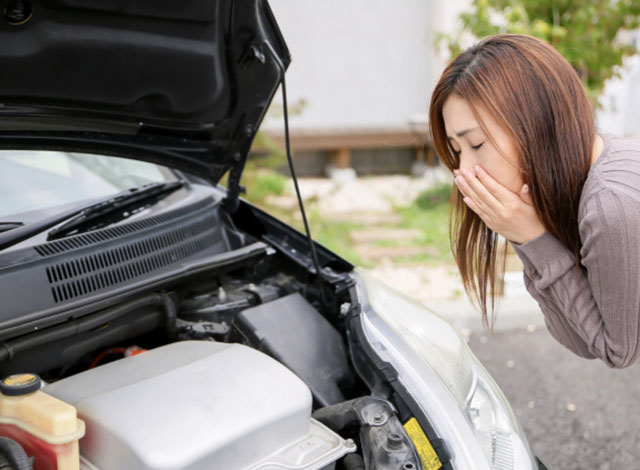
363, 161
621, 97
360, 63
357, 63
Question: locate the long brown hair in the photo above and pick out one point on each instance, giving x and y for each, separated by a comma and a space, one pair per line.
535, 95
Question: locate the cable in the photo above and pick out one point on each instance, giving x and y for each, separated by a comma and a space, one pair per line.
295, 183
12, 455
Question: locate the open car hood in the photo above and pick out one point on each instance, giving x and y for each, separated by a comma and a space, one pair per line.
180, 83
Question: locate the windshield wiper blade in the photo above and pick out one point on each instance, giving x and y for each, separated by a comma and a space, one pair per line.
6, 226
113, 203
120, 201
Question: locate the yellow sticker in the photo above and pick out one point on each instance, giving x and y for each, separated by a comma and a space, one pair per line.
428, 456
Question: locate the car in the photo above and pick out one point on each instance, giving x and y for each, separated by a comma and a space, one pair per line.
151, 317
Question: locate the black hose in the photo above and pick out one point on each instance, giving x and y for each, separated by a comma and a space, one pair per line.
10, 348
353, 462
356, 411
337, 417
13, 456
171, 314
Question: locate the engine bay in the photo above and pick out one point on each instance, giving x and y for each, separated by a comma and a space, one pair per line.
255, 326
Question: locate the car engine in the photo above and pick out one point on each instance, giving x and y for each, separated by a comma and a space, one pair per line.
140, 413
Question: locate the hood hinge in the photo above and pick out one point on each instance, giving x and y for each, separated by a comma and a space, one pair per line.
234, 188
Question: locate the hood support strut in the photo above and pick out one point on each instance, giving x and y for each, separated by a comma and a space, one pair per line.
234, 188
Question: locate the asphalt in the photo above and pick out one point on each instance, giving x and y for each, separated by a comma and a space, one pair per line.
578, 414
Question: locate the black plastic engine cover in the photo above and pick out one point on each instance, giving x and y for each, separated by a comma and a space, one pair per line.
292, 331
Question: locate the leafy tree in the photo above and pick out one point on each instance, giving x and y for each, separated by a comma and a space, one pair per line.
585, 32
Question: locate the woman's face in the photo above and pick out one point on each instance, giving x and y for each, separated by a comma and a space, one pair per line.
474, 148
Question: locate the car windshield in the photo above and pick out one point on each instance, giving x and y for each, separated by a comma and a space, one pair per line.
38, 180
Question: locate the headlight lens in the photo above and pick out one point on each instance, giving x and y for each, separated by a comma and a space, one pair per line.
434, 342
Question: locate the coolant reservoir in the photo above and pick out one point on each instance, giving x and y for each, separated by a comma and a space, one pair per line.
47, 428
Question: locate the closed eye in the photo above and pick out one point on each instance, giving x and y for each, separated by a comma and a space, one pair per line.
476, 147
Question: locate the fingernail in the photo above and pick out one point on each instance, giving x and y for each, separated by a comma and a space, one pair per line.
464, 172
477, 168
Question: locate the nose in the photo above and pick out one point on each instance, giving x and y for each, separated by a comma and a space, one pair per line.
467, 162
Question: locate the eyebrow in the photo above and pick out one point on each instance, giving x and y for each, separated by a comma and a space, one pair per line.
462, 133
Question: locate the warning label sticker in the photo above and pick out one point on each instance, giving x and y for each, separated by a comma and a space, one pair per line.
428, 456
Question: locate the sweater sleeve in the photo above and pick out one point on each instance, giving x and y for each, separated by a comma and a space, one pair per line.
557, 323
593, 310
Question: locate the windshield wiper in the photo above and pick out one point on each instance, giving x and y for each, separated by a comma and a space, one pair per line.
121, 201
5, 226
78, 218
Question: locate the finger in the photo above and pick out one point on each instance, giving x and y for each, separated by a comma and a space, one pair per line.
466, 190
460, 184
499, 191
525, 195
473, 206
477, 191
473, 201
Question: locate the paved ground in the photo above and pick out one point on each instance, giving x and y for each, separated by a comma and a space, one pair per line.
578, 414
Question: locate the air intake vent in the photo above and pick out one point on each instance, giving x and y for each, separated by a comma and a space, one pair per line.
111, 233
109, 267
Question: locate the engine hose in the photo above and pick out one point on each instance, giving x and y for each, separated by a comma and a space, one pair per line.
13, 456
10, 348
171, 314
339, 416
353, 462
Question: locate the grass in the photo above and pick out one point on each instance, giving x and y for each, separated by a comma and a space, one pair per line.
429, 212
334, 234
434, 197
265, 183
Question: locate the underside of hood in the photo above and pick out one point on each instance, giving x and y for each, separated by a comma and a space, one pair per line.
184, 84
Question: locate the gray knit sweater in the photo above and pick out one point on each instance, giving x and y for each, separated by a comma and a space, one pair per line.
595, 312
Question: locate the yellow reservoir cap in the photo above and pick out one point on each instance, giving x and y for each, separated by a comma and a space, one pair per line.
20, 384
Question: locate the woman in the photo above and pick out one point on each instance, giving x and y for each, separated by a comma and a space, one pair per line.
510, 118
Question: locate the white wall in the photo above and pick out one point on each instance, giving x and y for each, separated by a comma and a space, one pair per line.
358, 63
621, 98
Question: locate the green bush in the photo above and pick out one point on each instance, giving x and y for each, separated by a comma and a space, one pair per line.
434, 197
266, 183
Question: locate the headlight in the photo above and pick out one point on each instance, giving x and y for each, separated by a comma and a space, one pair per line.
463, 403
